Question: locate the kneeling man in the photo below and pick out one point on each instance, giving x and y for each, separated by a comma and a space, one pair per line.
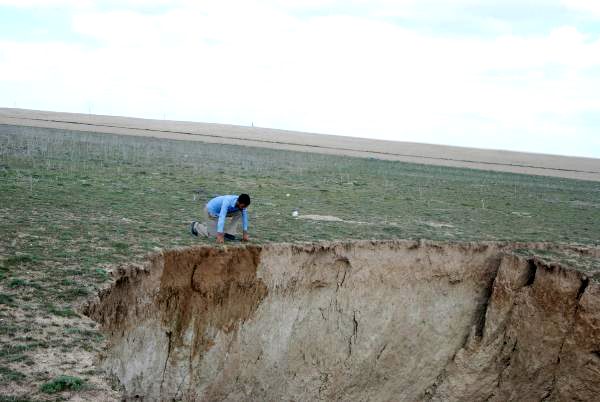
216, 213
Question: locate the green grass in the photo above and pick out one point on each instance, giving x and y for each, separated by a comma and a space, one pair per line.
13, 398
16, 351
61, 311
22, 283
7, 374
73, 204
62, 383
106, 197
7, 300
19, 259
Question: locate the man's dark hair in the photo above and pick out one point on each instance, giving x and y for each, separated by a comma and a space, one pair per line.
244, 199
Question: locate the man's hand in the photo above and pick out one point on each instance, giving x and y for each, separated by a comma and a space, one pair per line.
245, 237
220, 238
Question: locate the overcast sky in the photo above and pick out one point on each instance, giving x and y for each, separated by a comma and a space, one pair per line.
511, 74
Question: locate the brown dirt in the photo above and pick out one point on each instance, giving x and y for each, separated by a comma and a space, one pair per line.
386, 320
208, 288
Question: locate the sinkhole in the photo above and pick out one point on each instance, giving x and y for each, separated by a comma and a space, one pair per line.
362, 320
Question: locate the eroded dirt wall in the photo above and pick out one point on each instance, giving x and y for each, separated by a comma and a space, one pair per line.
382, 321
526, 349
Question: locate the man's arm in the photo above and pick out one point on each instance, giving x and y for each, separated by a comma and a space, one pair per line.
221, 222
245, 224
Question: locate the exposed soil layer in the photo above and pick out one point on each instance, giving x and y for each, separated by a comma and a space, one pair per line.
380, 321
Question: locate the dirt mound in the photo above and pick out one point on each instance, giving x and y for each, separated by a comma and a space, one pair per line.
383, 321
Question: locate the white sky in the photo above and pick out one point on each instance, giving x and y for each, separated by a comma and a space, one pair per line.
520, 75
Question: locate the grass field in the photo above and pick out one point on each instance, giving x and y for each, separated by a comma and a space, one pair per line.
73, 205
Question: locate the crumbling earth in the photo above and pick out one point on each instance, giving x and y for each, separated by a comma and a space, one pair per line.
378, 321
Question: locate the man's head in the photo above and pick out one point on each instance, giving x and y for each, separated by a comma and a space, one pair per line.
243, 201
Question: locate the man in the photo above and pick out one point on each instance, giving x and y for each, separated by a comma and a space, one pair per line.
217, 211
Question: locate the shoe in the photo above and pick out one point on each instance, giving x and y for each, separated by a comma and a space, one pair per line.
229, 236
193, 229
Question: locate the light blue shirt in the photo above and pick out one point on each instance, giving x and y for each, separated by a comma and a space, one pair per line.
223, 205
